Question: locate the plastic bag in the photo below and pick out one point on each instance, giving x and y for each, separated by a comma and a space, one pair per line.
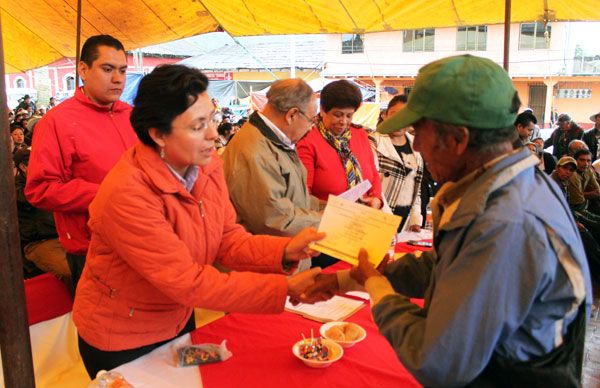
106, 379
202, 354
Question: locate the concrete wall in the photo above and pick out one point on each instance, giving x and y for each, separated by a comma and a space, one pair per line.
383, 55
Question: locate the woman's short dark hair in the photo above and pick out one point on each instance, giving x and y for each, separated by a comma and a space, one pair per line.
340, 94
397, 99
164, 94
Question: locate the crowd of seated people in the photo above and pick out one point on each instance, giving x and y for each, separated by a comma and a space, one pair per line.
40, 248
570, 166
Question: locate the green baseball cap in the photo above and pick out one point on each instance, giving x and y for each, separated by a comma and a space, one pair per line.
460, 90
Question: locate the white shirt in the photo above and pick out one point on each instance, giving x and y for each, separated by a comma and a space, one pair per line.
280, 135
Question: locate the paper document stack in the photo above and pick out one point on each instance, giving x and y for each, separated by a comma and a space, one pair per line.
337, 308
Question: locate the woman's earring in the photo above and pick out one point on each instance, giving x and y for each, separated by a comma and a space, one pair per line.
162, 153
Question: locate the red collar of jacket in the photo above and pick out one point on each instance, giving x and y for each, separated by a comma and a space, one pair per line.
117, 106
164, 180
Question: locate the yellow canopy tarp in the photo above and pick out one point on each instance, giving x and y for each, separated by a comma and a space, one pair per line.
38, 32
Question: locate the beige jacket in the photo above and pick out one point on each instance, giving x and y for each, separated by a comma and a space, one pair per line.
267, 182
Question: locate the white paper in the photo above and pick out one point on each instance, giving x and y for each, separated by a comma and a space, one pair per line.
357, 191
424, 234
335, 309
359, 294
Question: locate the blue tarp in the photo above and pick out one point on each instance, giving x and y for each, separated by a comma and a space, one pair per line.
226, 92
131, 87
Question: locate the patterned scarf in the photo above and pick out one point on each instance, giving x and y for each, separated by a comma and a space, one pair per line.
341, 144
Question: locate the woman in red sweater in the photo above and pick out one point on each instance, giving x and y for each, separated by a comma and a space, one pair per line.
336, 153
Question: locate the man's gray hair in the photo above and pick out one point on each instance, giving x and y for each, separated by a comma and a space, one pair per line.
289, 93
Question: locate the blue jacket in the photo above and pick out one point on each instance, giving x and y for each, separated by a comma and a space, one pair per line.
507, 274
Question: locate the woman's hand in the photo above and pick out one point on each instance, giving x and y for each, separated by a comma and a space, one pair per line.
297, 249
324, 288
298, 284
373, 202
414, 228
365, 269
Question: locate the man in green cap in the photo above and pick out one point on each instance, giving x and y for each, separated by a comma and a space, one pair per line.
507, 286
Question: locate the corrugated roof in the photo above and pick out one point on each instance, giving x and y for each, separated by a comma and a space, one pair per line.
194, 45
309, 54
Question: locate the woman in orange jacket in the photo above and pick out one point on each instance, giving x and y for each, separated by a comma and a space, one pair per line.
160, 221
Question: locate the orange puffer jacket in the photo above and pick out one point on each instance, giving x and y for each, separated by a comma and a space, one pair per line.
151, 254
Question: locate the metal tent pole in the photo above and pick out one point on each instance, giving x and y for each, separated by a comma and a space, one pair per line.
507, 5
78, 43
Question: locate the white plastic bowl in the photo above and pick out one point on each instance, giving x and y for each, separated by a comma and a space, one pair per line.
345, 344
335, 353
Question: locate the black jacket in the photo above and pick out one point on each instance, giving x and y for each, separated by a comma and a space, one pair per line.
589, 138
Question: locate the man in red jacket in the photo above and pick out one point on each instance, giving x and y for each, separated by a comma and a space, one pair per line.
78, 142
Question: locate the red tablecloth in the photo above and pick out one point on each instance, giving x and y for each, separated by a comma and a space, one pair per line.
46, 298
262, 353
406, 248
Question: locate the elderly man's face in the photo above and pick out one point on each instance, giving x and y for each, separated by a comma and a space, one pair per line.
302, 122
439, 154
584, 162
565, 172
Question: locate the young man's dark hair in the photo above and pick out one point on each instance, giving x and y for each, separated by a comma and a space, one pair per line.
340, 94
89, 51
580, 152
524, 118
399, 98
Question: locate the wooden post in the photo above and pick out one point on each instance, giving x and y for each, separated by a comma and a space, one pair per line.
14, 329
78, 43
507, 5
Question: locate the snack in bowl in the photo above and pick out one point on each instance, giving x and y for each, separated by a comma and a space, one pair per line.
346, 334
317, 352
314, 350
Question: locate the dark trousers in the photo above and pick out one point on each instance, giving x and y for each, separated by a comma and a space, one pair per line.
96, 360
402, 211
76, 264
323, 261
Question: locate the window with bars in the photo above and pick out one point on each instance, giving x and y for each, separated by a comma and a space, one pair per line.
473, 38
70, 82
352, 43
534, 36
419, 40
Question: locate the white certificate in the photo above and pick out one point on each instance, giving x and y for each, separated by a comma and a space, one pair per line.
357, 191
351, 226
